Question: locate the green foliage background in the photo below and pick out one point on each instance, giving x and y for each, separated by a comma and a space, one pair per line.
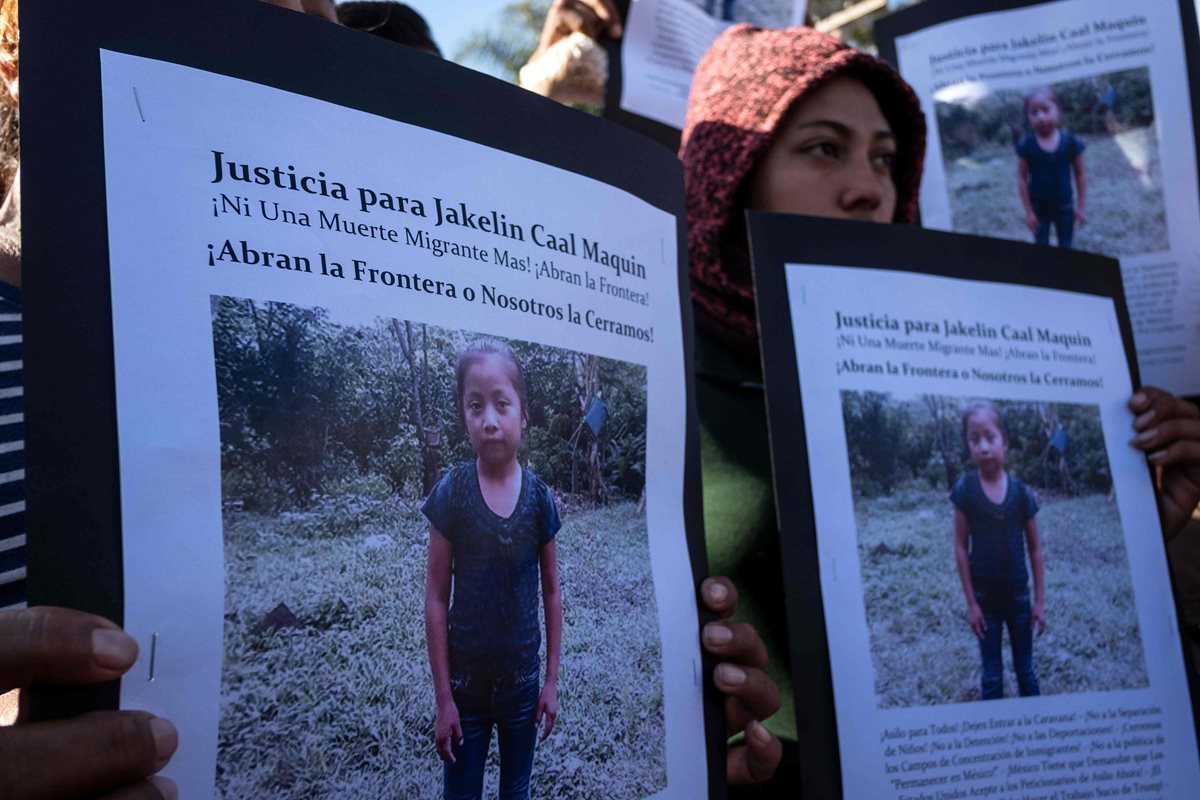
918, 444
310, 408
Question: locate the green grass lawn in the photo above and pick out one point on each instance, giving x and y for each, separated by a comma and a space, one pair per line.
341, 705
1126, 212
922, 651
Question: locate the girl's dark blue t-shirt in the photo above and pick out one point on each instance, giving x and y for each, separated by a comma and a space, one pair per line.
493, 608
997, 530
1050, 173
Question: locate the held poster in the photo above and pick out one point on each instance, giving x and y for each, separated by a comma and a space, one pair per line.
664, 41
294, 283
964, 432
1068, 123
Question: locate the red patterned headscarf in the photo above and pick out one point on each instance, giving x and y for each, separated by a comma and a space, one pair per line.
744, 87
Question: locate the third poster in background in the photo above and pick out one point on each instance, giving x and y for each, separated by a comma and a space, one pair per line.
1070, 124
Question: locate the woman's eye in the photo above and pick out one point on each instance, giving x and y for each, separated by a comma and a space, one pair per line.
822, 149
885, 161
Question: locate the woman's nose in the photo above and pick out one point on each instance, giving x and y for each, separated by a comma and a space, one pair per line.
861, 192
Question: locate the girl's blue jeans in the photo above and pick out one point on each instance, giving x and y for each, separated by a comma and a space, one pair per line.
508, 704
1006, 605
1061, 216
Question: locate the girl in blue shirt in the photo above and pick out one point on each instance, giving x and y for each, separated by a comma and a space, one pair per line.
492, 524
995, 514
1047, 160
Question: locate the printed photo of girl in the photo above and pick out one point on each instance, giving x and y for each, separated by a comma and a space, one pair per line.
1088, 164
446, 534
1031, 539
491, 536
994, 524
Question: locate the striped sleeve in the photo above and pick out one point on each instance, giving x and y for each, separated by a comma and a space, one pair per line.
12, 458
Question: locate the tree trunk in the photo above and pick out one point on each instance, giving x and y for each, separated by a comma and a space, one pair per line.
428, 433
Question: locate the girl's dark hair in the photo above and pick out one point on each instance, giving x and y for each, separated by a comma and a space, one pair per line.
984, 406
1046, 90
395, 22
477, 351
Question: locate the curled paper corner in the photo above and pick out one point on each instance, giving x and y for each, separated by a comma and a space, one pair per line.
573, 70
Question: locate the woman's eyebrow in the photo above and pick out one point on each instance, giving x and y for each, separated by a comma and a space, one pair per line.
842, 129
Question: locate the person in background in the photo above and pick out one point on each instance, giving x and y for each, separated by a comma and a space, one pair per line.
790, 121
395, 22
794, 121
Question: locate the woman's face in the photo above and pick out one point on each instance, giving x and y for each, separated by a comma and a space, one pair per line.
832, 157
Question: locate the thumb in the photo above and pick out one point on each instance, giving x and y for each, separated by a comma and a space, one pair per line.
757, 760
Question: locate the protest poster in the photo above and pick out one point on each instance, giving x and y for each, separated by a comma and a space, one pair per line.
267, 261
651, 66
908, 385
1069, 123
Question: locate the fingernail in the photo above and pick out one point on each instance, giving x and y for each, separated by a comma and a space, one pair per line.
731, 675
166, 787
1158, 456
716, 592
1138, 399
759, 732
717, 634
165, 739
1146, 436
113, 649
1144, 419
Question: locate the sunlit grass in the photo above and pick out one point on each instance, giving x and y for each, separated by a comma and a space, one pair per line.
922, 651
341, 704
1126, 212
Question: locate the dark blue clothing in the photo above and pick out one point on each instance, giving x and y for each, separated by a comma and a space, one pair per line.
1050, 174
1000, 578
12, 451
1062, 217
997, 531
1006, 607
510, 706
493, 616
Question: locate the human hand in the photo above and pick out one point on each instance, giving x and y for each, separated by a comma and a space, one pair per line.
447, 731
589, 17
1038, 618
1168, 428
547, 709
1031, 221
975, 619
110, 752
750, 695
1080, 217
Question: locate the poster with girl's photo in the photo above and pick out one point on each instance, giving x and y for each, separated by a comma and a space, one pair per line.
1069, 124
378, 474
993, 559
969, 530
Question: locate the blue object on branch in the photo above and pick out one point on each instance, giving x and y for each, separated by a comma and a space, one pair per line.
596, 415
1059, 440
